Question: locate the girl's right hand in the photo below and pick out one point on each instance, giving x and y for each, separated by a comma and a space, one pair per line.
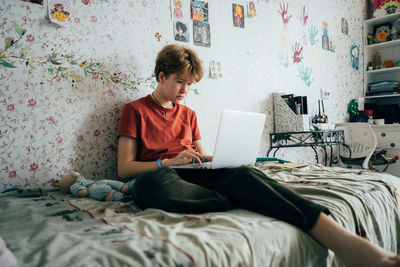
184, 157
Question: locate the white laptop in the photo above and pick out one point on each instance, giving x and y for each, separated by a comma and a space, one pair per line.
238, 140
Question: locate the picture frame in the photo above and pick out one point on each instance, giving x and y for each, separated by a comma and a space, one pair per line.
201, 33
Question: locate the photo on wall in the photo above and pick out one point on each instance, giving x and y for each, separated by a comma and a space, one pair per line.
201, 33
181, 31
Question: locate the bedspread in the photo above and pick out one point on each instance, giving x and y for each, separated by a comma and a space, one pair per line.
44, 227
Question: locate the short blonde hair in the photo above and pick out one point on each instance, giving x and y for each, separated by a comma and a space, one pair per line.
178, 59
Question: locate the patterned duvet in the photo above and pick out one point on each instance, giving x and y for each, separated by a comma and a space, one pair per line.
44, 227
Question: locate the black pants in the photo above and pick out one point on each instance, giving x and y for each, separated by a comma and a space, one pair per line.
201, 190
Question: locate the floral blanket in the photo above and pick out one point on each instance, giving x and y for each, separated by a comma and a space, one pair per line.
44, 227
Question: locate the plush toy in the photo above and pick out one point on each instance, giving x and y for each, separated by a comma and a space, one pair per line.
382, 34
395, 31
103, 190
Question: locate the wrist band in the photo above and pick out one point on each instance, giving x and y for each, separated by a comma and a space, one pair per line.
159, 163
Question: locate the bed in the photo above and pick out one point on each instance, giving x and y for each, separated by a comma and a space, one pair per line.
44, 227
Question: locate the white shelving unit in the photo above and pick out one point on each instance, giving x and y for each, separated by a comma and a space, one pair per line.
389, 50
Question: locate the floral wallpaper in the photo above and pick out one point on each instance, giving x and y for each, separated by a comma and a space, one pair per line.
63, 85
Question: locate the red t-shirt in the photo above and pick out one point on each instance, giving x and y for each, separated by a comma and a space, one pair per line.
160, 132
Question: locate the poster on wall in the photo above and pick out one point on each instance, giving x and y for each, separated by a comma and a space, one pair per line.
201, 33
251, 9
179, 9
60, 12
237, 15
199, 10
34, 1
181, 31
327, 43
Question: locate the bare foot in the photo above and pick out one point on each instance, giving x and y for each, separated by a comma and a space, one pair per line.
393, 260
353, 250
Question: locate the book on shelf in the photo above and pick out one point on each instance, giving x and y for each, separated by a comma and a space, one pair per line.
289, 100
301, 101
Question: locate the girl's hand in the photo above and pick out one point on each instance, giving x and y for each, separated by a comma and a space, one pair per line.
184, 157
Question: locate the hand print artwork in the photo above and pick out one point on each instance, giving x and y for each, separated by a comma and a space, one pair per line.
313, 31
297, 50
297, 53
305, 74
284, 13
303, 18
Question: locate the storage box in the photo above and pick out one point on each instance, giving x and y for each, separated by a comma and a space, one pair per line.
285, 120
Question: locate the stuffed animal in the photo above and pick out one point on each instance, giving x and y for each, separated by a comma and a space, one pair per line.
103, 190
382, 34
395, 31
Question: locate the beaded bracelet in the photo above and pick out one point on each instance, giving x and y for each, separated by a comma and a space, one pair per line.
159, 163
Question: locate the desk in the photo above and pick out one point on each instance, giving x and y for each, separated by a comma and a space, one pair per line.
313, 139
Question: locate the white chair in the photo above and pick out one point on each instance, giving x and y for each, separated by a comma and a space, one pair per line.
361, 139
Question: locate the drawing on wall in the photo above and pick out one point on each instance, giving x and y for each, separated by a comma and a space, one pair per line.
345, 26
199, 10
201, 33
237, 15
284, 13
177, 9
251, 9
326, 43
263, 1
59, 12
158, 36
215, 69
355, 57
181, 31
34, 1
385, 7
